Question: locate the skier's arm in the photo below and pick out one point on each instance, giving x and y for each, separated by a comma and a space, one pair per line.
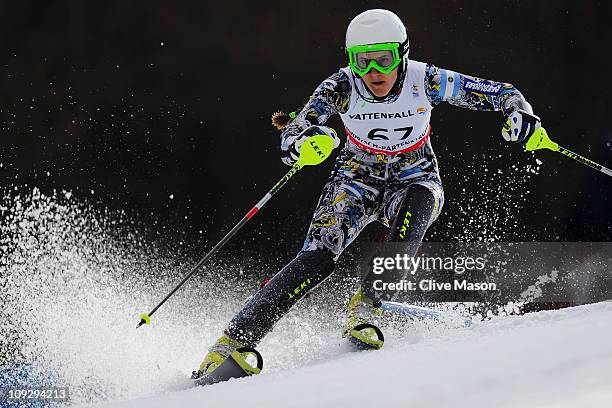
466, 91
330, 97
443, 85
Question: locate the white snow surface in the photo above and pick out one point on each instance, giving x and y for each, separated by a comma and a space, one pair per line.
75, 279
550, 359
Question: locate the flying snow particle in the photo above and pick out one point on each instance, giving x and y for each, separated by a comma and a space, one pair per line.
171, 196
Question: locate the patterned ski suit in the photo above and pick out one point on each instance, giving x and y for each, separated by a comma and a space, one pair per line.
370, 178
386, 169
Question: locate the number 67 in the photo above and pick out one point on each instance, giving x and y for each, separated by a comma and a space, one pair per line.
372, 135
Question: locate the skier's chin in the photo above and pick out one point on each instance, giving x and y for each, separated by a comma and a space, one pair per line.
380, 89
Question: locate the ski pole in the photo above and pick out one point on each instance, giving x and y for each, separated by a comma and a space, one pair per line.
540, 140
315, 150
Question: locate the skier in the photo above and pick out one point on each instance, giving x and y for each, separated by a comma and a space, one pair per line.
386, 170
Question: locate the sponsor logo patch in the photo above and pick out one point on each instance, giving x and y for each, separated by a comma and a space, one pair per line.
483, 87
381, 115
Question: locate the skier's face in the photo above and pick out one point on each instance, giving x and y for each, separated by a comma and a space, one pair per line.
378, 83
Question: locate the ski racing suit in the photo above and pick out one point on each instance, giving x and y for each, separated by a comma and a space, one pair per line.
387, 171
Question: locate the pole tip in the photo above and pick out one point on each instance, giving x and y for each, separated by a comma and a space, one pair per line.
144, 319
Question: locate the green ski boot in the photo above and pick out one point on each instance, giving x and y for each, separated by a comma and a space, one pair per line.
359, 328
226, 359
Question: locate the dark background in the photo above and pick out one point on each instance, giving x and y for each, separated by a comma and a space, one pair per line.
163, 110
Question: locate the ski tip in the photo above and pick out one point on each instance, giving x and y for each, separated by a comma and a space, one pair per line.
144, 319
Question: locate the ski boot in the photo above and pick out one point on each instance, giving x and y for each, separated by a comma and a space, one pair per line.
358, 329
226, 359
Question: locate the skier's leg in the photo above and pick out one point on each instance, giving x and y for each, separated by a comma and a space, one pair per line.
340, 216
346, 206
412, 209
268, 305
415, 209
275, 299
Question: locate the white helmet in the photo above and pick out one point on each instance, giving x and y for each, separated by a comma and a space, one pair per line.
377, 26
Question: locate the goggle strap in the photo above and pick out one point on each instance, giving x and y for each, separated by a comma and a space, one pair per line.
404, 48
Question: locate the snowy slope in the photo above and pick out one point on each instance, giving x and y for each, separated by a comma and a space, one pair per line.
548, 359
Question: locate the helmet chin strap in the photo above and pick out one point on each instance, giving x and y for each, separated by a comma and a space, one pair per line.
395, 89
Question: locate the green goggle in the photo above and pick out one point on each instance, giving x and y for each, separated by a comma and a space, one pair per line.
382, 57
